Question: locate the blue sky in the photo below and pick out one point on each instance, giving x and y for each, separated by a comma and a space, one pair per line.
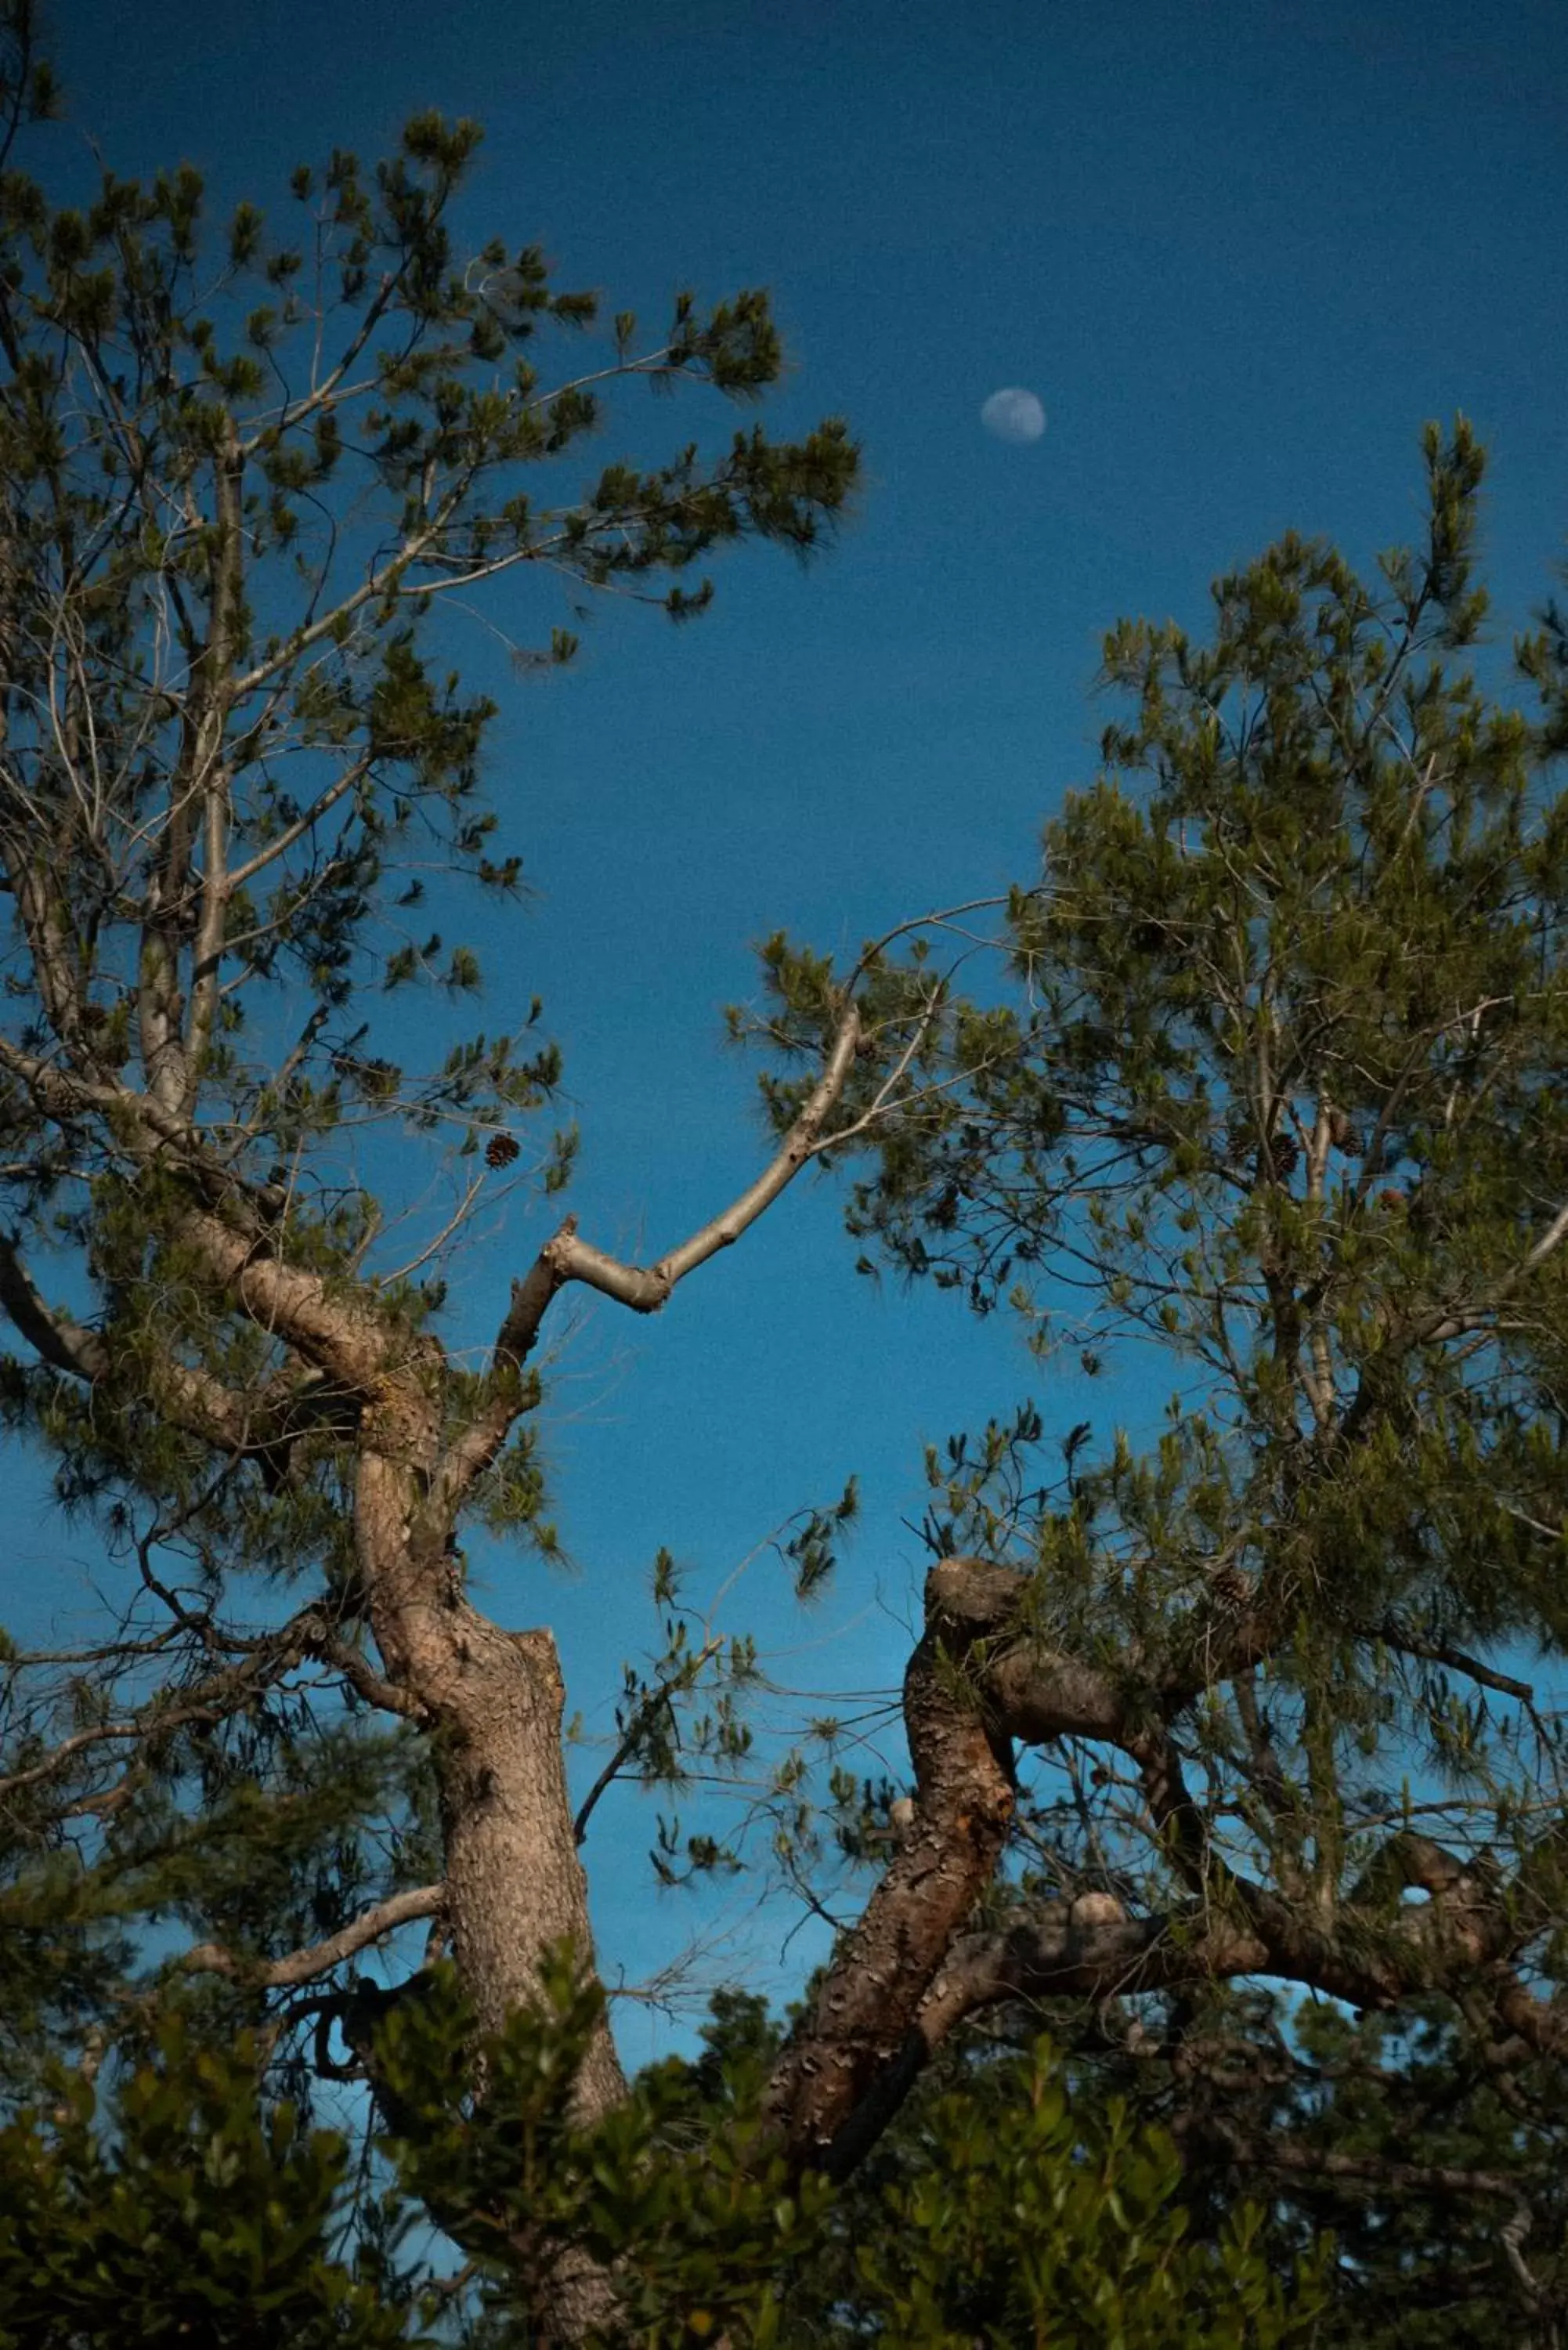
1240, 251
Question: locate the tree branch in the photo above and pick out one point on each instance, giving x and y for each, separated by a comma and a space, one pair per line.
65, 1345
645, 1713
247, 1426
1253, 2149
261, 1662
645, 1289
857, 2037
320, 1957
353, 774
1438, 1652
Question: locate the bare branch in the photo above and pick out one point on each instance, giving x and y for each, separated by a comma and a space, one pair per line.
211, 777
65, 1345
1394, 1635
564, 1258
353, 773
259, 1663
646, 1289
1443, 1327
360, 1674
433, 1248
1254, 2150
1550, 1239
382, 580
320, 1957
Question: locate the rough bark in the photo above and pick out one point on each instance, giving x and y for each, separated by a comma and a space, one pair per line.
916, 1966
840, 2079
515, 1882
492, 1701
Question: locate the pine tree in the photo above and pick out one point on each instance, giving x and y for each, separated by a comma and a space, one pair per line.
246, 467
1269, 1067
1266, 1087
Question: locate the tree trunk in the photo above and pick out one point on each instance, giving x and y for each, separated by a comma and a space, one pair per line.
492, 1701
515, 1884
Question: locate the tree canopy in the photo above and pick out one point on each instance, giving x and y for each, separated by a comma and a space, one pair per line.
1234, 1752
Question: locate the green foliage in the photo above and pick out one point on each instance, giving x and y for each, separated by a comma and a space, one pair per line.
188, 2211
344, 441
60, 1961
1017, 2219
248, 468
1259, 1104
182, 2196
696, 2226
1268, 1073
1421, 2263
1029, 2222
1379, 2148
1269, 1083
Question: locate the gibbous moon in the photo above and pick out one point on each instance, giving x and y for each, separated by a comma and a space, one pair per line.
1013, 415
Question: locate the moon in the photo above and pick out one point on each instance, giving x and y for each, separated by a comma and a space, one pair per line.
1013, 415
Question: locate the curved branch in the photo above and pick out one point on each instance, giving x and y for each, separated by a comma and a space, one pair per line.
644, 1288
65, 1345
855, 2038
902, 1980
356, 1668
340, 1333
320, 1957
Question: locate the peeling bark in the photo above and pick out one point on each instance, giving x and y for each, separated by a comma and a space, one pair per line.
908, 1974
839, 2082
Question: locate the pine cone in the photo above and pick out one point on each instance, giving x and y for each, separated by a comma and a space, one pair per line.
501, 1150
